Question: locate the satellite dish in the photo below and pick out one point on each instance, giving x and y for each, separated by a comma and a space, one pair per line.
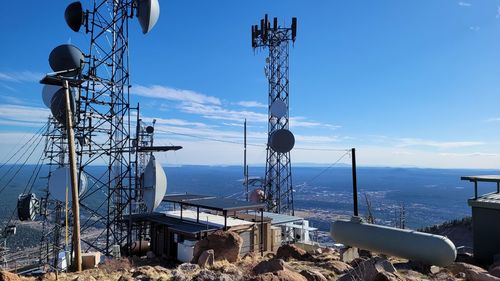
60, 179
148, 12
154, 184
27, 207
150, 129
278, 108
282, 141
66, 57
58, 105
48, 92
74, 16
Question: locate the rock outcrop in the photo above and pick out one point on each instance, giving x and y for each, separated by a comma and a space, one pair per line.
272, 265
371, 269
290, 251
349, 254
7, 276
313, 275
337, 267
472, 272
206, 258
226, 246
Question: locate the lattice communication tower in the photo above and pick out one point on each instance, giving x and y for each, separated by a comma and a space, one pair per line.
278, 175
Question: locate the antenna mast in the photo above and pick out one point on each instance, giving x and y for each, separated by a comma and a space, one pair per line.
277, 184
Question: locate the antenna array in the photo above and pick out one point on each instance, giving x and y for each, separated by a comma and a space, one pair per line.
278, 179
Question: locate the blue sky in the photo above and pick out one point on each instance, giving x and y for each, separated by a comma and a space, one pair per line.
408, 83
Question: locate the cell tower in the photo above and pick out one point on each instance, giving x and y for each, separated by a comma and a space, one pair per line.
117, 173
278, 179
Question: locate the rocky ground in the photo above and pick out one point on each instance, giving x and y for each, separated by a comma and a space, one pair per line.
289, 263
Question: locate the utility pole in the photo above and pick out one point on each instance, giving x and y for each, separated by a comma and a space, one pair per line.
245, 167
74, 180
354, 182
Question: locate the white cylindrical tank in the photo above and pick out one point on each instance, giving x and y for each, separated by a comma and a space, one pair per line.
409, 244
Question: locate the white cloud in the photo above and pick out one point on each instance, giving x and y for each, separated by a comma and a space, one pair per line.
23, 76
474, 28
23, 114
464, 4
406, 142
302, 122
12, 99
472, 154
174, 122
252, 104
219, 113
167, 93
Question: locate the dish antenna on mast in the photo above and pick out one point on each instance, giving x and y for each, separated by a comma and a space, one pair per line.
148, 12
60, 180
154, 184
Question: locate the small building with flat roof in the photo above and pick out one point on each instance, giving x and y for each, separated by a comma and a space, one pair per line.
187, 218
485, 219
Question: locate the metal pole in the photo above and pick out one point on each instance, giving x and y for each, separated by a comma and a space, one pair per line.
261, 232
354, 182
245, 168
74, 182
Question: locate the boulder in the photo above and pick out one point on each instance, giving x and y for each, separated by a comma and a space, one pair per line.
434, 269
348, 254
383, 265
288, 275
226, 245
269, 266
386, 276
313, 275
206, 259
282, 275
365, 253
290, 251
472, 272
337, 267
369, 269
7, 276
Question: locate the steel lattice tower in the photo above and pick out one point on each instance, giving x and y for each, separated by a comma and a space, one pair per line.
278, 178
104, 127
107, 128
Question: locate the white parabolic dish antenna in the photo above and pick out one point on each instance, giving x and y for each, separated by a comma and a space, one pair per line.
148, 12
154, 184
60, 179
58, 105
48, 92
278, 108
